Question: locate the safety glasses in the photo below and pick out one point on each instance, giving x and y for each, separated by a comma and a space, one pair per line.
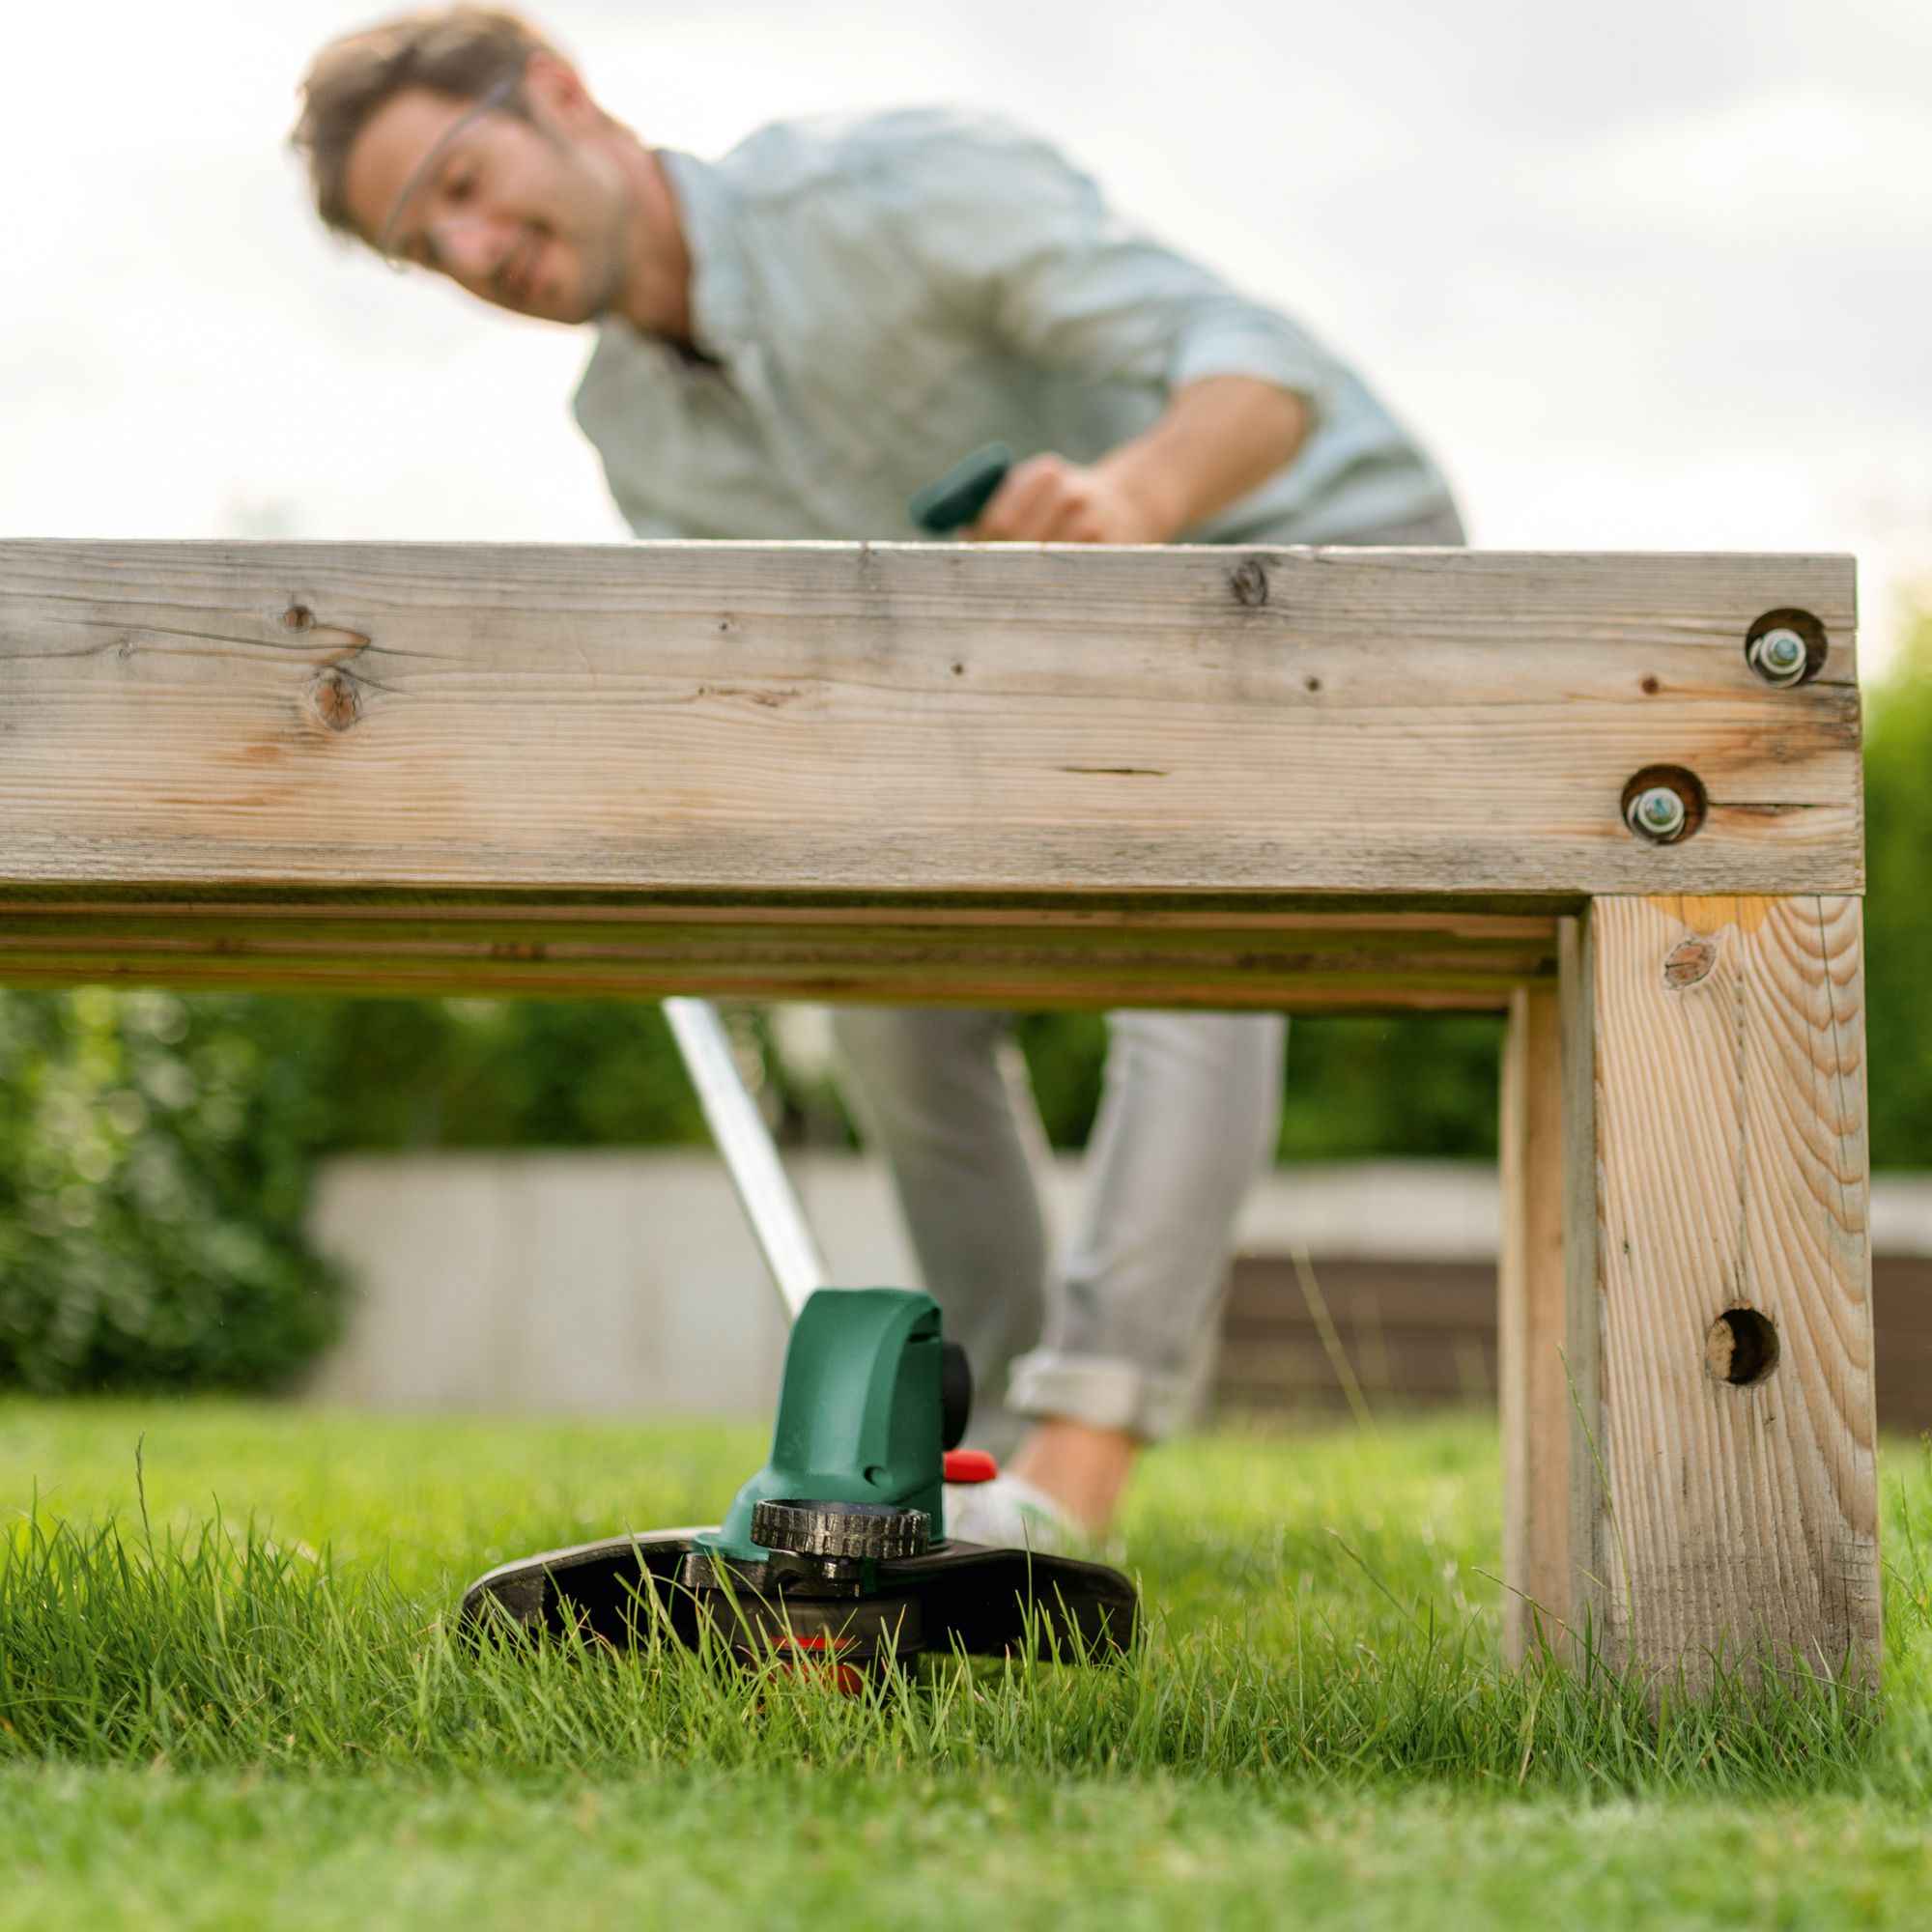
431, 164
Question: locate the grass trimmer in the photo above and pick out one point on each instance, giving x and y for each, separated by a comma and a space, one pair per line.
835, 1554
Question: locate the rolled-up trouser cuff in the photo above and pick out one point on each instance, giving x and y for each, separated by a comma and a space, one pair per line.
1102, 1393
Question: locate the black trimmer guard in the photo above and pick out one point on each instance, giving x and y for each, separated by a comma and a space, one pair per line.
961, 1596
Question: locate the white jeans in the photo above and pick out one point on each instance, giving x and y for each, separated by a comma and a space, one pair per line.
1109, 1329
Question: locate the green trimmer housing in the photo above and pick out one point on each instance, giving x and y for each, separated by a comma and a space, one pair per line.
835, 1554
863, 1379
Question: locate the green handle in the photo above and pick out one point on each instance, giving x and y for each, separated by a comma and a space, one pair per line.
952, 502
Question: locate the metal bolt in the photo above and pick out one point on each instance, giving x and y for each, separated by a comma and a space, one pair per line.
1658, 814
1780, 656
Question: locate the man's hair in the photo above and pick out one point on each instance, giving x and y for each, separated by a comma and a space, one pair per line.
459, 52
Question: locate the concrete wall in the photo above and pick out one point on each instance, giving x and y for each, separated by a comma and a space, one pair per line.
627, 1282
624, 1283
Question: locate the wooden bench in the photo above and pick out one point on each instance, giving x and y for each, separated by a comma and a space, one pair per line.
1308, 779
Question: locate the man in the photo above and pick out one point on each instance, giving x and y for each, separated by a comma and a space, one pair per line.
789, 343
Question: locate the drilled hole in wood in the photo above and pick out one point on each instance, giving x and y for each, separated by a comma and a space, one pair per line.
1740, 1347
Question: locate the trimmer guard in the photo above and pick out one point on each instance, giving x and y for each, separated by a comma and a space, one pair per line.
970, 1598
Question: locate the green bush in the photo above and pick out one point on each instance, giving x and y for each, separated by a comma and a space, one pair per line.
156, 1155
151, 1196
1898, 909
1357, 1086
388, 1075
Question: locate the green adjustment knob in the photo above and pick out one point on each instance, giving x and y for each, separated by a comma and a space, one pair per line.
846, 1531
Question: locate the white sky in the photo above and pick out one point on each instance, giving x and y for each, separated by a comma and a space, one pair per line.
1650, 275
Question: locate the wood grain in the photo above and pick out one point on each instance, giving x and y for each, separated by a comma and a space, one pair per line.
929, 955
1531, 1332
1734, 1523
936, 717
1585, 1485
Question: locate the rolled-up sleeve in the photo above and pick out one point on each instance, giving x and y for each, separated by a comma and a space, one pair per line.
1010, 236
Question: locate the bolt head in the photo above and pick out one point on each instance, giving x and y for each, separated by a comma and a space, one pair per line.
1779, 656
1658, 814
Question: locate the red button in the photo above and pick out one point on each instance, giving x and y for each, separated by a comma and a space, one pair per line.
970, 1465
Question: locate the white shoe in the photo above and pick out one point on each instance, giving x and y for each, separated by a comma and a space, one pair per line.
1009, 1514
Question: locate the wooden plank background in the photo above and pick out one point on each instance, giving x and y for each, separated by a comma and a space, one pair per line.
210, 718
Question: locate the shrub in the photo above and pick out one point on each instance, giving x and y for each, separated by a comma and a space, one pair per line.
1898, 909
151, 1197
156, 1155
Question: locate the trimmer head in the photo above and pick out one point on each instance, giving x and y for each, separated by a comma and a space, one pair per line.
952, 1596
835, 1552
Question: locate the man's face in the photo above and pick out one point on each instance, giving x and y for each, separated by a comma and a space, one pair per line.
528, 210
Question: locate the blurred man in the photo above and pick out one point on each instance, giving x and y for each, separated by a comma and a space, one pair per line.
789, 343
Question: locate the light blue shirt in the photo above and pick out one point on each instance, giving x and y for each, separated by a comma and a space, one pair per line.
883, 295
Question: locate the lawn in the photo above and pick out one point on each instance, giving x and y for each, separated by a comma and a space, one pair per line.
245, 1707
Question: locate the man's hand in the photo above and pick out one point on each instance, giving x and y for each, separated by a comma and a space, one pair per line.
1217, 439
1048, 500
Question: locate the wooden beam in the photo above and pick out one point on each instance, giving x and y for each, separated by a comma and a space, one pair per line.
1727, 1513
1532, 1345
1033, 957
1584, 1490
952, 719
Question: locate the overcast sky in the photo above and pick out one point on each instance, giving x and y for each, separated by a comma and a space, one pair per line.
1650, 275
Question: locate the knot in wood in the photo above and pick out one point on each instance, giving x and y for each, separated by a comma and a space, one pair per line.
1249, 582
337, 701
299, 618
1689, 960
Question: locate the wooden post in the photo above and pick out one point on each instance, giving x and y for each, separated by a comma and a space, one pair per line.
1726, 1512
1536, 1405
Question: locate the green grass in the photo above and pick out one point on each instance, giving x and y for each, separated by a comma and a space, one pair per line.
248, 1707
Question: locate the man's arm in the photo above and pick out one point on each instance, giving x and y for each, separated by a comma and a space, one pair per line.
1014, 242
1217, 439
